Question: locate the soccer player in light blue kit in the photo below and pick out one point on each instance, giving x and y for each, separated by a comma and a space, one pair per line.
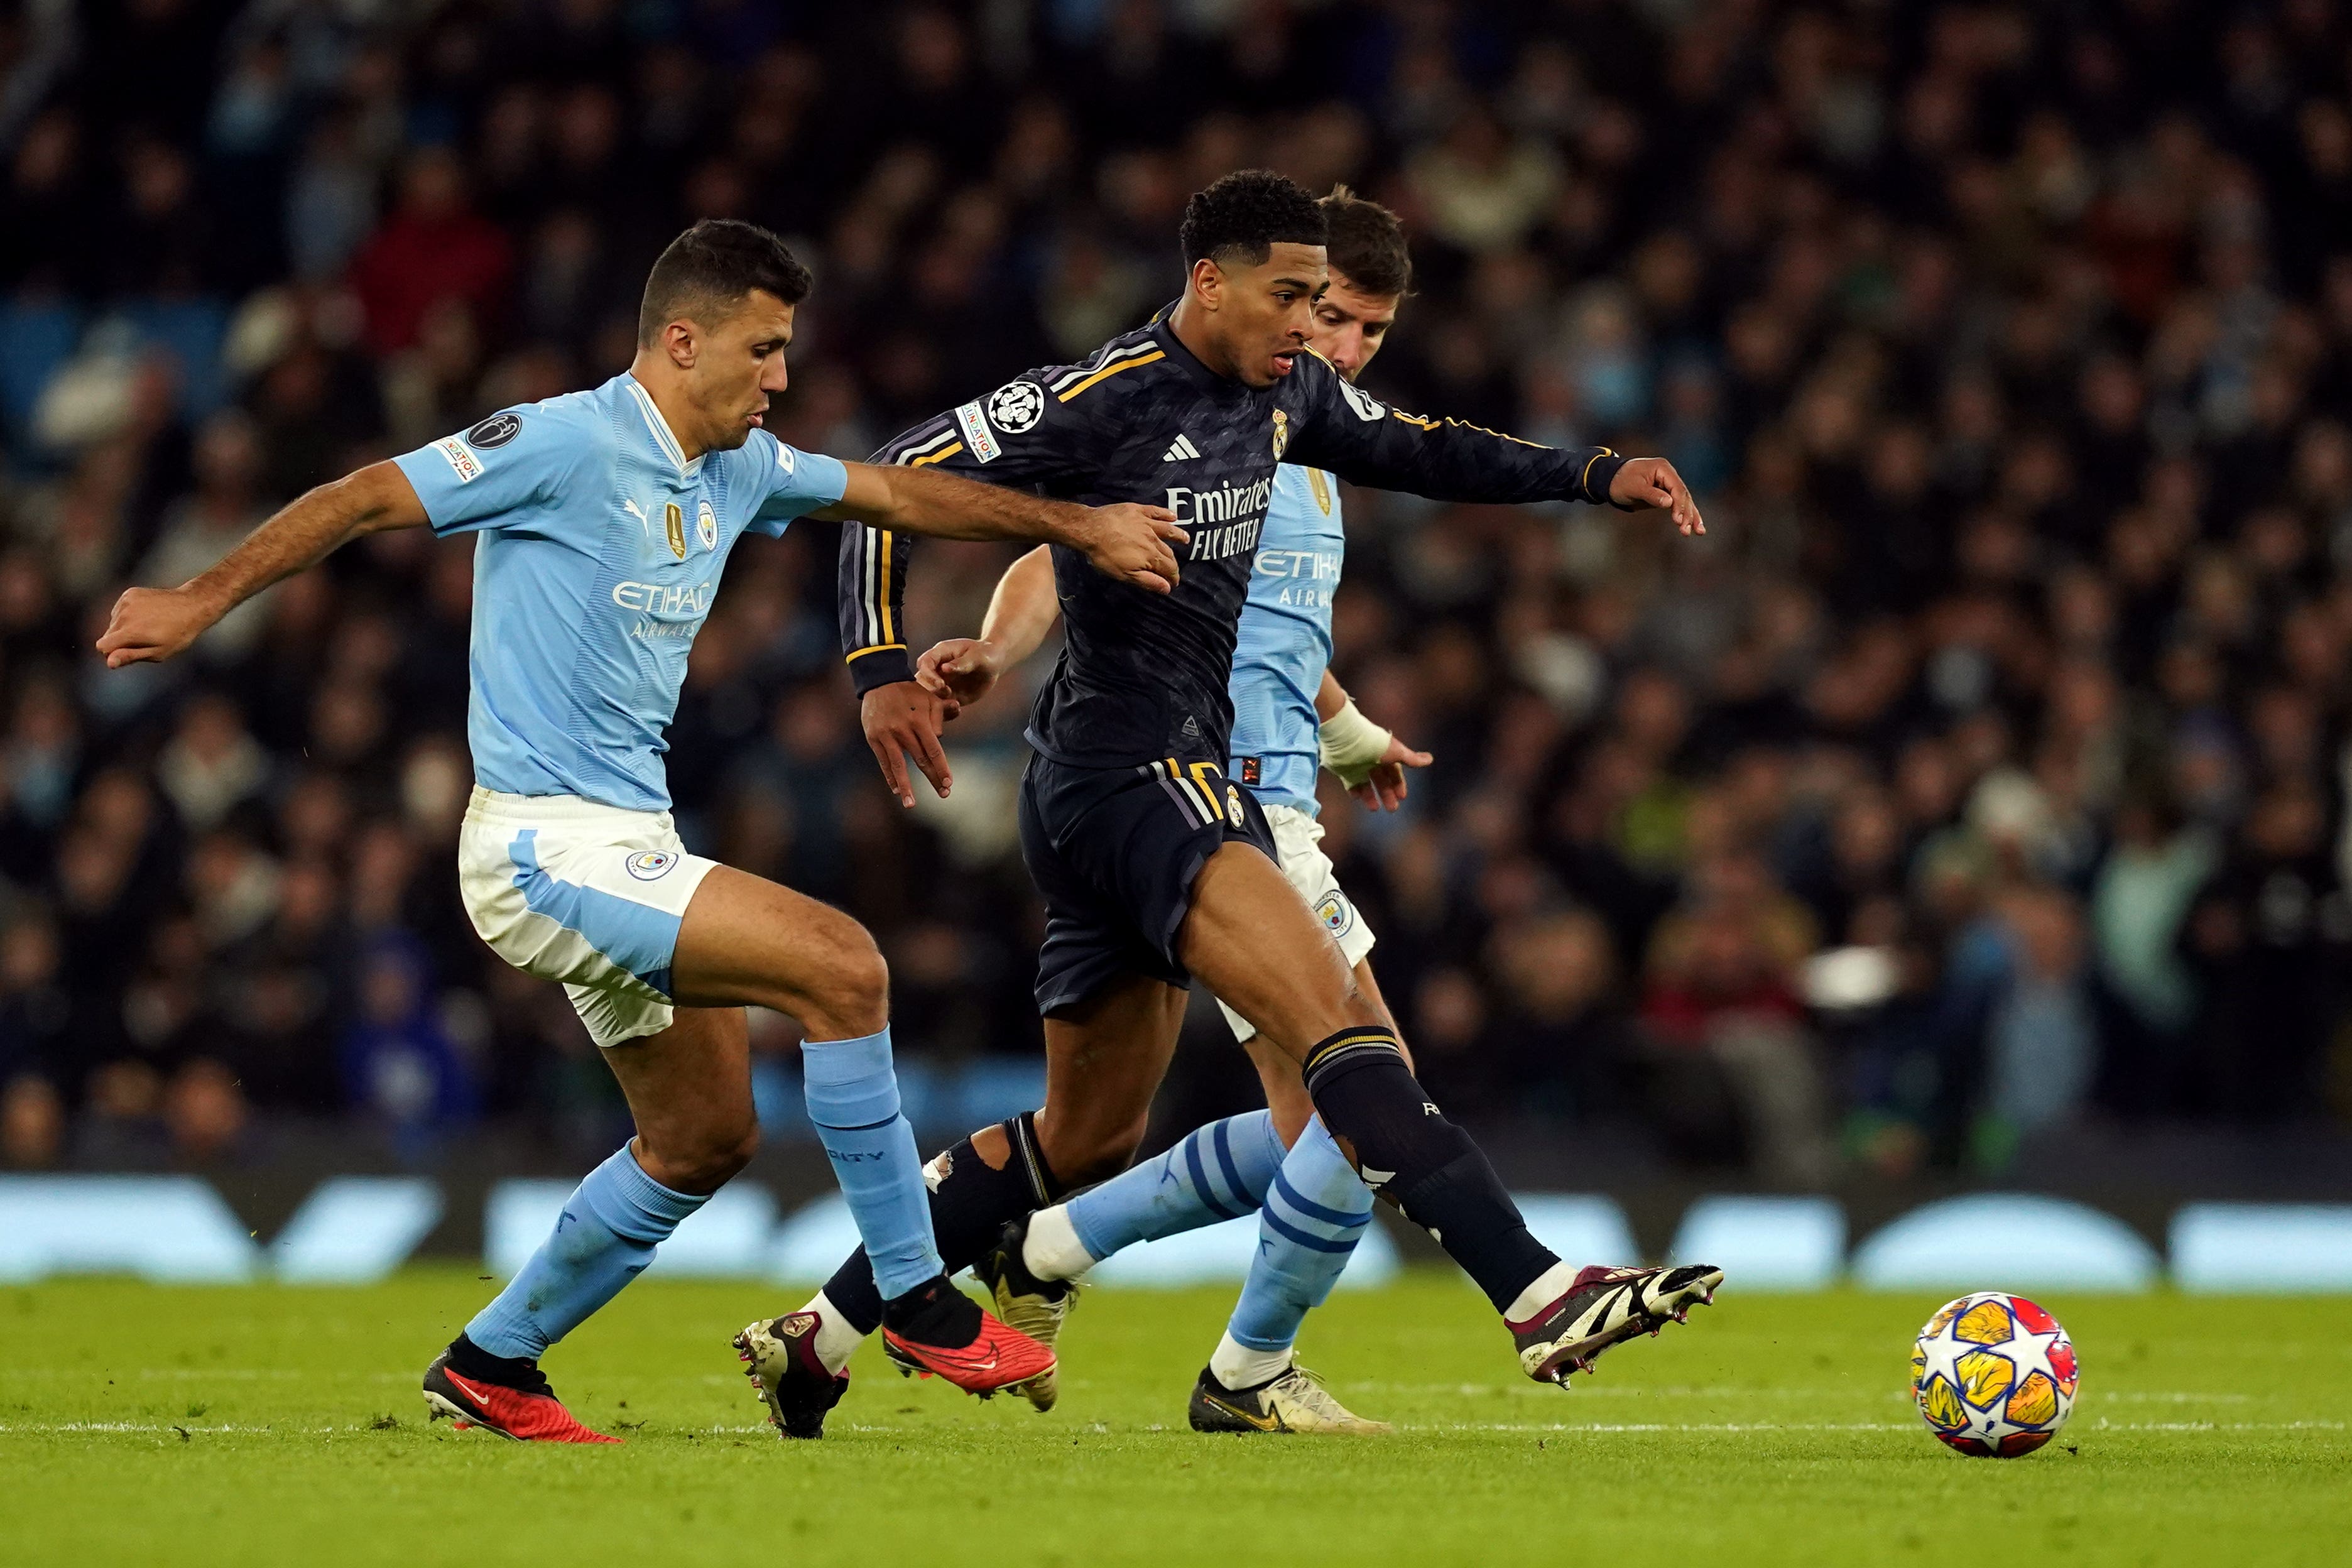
1289, 717
605, 518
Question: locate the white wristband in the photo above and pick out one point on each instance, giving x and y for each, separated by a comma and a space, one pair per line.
1352, 744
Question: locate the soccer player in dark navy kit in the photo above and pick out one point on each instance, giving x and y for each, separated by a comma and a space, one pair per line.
1154, 866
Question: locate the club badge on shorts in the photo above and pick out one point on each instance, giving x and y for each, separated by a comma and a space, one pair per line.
1334, 912
651, 864
1233, 805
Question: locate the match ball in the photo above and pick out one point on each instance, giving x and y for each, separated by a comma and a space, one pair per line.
1994, 1376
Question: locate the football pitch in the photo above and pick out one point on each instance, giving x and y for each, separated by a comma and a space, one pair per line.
149, 1424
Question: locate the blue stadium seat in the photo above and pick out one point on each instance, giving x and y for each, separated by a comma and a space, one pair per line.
191, 331
35, 339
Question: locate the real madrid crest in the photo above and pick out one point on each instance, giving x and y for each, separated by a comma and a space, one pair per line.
706, 523
676, 519
1281, 433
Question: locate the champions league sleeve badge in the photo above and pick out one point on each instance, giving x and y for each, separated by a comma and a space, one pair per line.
1016, 406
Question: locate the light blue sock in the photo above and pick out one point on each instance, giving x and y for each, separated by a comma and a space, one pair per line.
1218, 1172
604, 1237
1311, 1224
852, 1097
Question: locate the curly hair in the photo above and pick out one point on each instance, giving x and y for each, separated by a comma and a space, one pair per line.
1367, 244
1243, 216
714, 265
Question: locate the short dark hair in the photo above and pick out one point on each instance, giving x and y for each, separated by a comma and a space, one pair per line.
1367, 244
715, 263
1245, 215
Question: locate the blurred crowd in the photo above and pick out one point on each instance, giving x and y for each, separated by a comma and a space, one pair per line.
1982, 772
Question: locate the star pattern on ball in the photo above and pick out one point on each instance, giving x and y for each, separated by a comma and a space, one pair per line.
1994, 1375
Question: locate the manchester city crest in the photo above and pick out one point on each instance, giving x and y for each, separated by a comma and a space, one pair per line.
706, 524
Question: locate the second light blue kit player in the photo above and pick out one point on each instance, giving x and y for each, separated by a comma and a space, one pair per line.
1290, 717
605, 519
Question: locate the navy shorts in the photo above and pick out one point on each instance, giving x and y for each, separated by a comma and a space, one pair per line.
1114, 852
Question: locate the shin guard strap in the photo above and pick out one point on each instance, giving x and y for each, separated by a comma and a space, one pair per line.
1029, 1158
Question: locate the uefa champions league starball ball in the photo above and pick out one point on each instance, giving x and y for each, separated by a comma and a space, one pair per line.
1994, 1376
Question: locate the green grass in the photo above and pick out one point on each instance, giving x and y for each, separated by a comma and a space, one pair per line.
150, 1426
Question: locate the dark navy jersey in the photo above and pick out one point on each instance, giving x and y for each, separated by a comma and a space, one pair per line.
1144, 676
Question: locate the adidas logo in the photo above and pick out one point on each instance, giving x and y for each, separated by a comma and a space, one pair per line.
1180, 449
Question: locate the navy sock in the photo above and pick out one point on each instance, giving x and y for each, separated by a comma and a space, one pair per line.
1406, 1148
971, 1205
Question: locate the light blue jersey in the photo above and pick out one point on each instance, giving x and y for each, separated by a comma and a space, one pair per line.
1284, 641
601, 551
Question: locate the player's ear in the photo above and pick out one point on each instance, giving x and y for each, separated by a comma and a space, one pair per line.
677, 338
1208, 281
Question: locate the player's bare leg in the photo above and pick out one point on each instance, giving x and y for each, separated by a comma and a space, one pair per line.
1264, 952
689, 1093
1104, 1061
1277, 1071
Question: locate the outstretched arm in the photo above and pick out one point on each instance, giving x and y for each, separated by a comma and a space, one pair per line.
1020, 613
1366, 442
157, 623
1126, 541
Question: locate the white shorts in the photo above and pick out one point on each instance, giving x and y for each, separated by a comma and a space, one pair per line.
1298, 838
589, 895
